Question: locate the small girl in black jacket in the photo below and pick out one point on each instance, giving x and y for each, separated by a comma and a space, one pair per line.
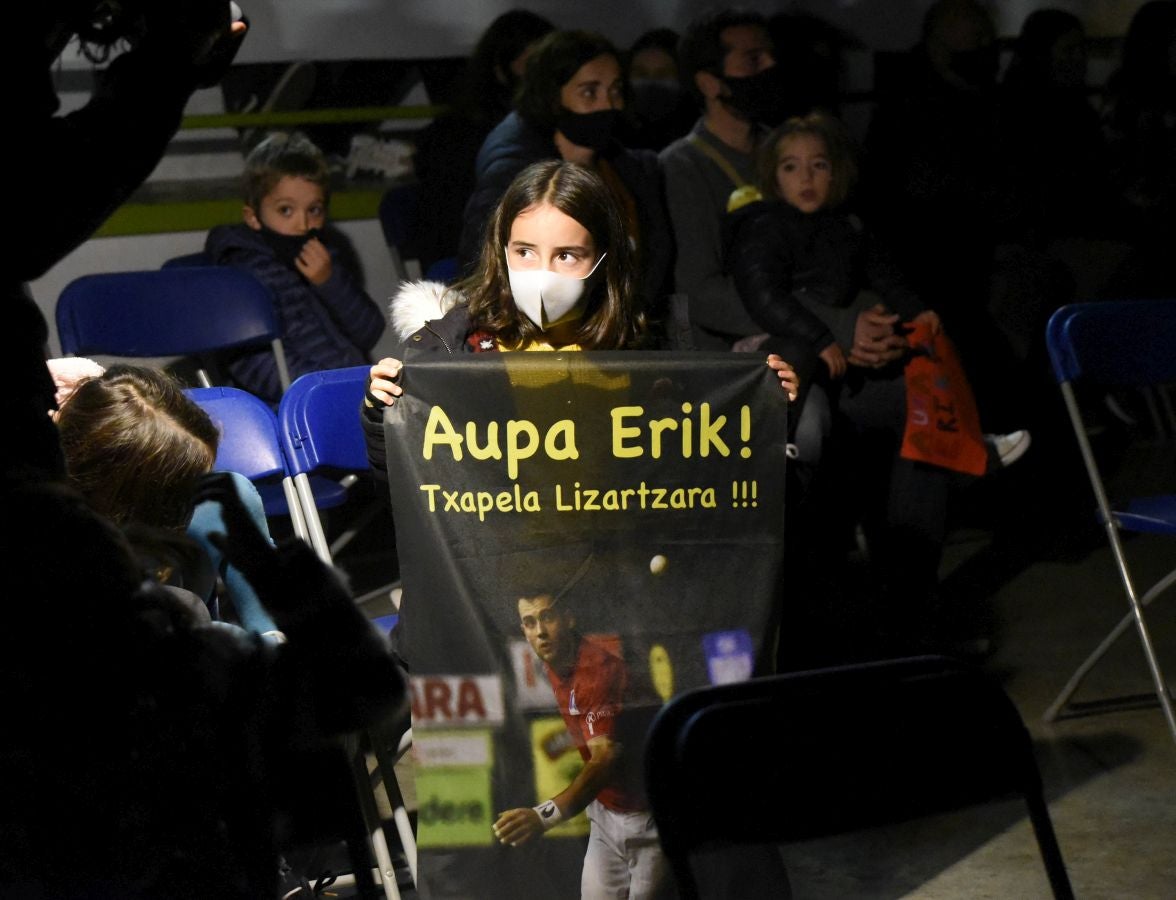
813, 276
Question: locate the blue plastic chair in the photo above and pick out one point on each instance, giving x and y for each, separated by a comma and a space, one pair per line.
443, 270
1118, 344
177, 311
250, 445
318, 419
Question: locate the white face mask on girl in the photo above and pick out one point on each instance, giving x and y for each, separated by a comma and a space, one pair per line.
548, 298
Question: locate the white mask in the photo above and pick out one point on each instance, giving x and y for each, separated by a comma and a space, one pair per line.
548, 298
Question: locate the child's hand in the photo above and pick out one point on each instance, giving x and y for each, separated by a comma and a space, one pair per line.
788, 377
383, 383
68, 372
931, 317
314, 262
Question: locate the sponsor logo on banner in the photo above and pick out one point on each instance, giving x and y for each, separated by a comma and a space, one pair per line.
729, 656
437, 748
442, 701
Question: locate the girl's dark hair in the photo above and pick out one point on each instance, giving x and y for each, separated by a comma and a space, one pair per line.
837, 148
612, 320
282, 155
551, 65
135, 446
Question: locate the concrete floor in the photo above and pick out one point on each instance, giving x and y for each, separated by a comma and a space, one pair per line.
1110, 778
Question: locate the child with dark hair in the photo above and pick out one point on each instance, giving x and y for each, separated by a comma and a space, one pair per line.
808, 271
136, 447
327, 320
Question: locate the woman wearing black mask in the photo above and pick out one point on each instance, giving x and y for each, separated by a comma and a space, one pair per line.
569, 106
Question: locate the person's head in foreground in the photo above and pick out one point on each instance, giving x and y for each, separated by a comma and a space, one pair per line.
135, 446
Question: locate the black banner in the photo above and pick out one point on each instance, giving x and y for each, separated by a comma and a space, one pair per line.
642, 491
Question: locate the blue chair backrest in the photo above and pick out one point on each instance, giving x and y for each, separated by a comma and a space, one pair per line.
319, 421
1122, 342
443, 270
165, 312
398, 211
249, 442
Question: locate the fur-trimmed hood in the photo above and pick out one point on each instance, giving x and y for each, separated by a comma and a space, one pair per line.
418, 302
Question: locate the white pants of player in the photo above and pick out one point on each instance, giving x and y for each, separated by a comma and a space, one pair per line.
624, 859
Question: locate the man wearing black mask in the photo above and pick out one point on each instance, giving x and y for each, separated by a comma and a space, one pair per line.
727, 60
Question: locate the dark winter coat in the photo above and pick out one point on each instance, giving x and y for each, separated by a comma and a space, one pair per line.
327, 326
800, 274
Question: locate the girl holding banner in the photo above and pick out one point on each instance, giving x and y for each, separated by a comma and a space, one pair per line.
556, 273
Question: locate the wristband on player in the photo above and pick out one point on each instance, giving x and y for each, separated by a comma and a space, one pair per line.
549, 814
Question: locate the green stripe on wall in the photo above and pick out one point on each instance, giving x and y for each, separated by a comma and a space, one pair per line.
162, 217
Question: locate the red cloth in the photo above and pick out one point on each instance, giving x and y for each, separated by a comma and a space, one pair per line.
590, 699
942, 425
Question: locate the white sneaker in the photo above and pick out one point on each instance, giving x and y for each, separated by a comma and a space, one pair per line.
1009, 447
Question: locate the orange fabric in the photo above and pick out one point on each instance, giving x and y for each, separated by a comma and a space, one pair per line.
942, 426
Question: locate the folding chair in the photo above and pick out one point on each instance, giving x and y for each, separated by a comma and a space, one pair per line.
250, 445
176, 311
808, 754
318, 418
1118, 344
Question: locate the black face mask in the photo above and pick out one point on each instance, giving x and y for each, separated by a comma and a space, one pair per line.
593, 130
763, 98
286, 247
655, 99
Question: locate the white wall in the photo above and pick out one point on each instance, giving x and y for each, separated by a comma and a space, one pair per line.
383, 29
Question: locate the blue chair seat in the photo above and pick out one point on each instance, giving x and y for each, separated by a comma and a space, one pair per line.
1129, 344
1154, 515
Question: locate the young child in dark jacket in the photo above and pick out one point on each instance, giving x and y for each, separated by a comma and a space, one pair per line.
327, 320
